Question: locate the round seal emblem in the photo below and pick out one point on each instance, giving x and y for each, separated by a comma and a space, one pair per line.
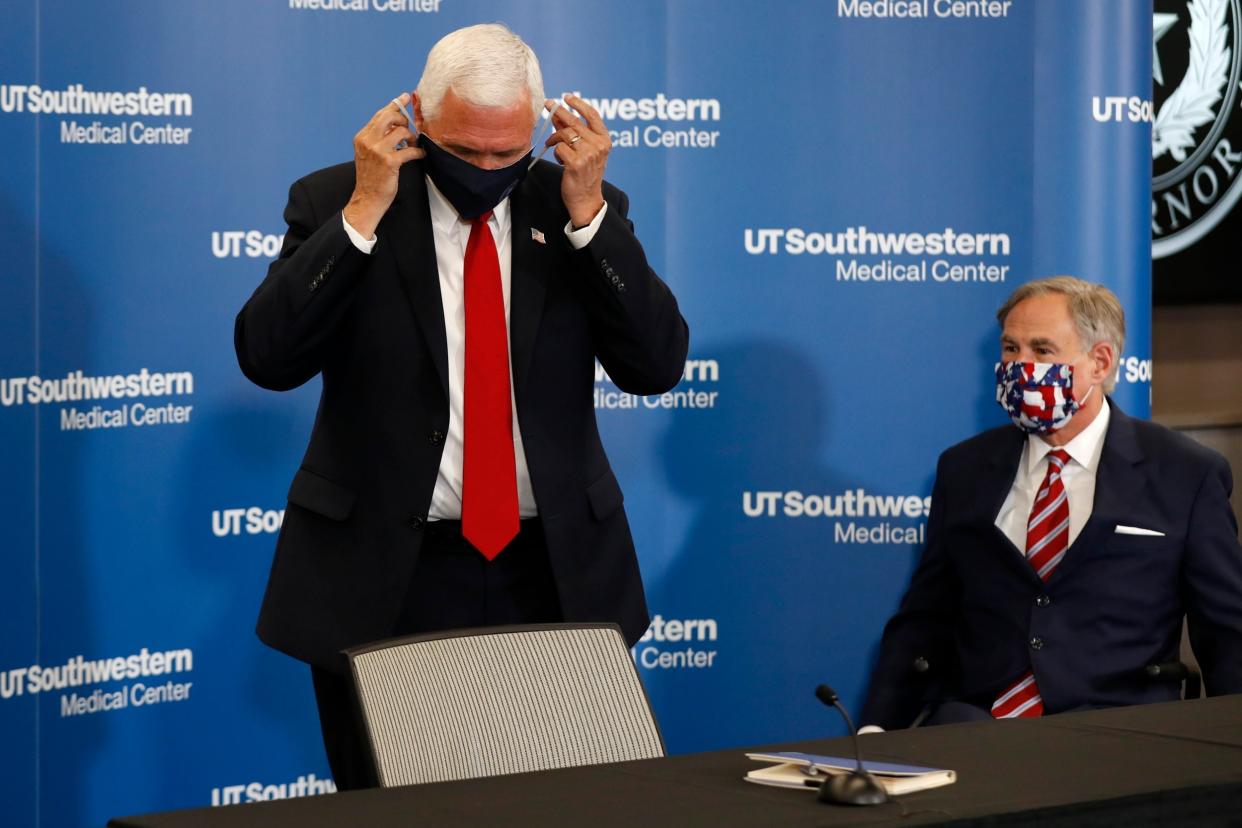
1196, 148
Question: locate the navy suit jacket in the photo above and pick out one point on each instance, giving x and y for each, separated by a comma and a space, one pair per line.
373, 327
979, 615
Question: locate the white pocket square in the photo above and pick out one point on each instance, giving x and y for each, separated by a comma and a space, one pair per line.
1137, 530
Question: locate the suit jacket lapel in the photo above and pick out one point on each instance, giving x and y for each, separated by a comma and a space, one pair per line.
410, 240
998, 477
528, 277
1117, 488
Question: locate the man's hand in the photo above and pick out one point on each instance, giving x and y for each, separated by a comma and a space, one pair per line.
376, 164
582, 146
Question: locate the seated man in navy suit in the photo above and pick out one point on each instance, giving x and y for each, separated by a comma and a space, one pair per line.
1063, 554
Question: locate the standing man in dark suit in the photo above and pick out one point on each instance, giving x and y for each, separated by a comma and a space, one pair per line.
1062, 555
454, 299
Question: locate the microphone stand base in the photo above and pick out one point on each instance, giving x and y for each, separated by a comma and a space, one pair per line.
853, 789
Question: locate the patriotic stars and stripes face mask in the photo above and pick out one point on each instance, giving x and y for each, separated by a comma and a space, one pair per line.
1037, 396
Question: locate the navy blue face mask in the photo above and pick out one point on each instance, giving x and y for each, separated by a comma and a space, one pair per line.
471, 190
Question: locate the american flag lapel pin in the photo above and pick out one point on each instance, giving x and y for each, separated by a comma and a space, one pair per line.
537, 235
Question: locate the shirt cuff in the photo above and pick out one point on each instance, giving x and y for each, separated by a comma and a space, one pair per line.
581, 237
365, 245
870, 729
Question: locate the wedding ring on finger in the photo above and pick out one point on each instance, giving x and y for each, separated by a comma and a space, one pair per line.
575, 140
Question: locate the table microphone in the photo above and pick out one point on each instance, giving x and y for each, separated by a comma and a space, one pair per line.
858, 787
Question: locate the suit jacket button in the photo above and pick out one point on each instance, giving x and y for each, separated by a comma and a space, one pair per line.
1043, 601
416, 522
436, 438
1037, 643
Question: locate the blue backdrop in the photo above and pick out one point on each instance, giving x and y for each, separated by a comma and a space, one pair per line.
840, 193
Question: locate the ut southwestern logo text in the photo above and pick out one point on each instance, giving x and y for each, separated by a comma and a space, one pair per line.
75, 99
254, 520
702, 372
857, 504
415, 6
852, 503
652, 653
78, 672
78, 387
893, 253
862, 241
654, 112
901, 9
253, 244
1134, 369
1121, 109
307, 785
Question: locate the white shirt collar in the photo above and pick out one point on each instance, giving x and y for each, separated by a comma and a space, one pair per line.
1085, 449
445, 218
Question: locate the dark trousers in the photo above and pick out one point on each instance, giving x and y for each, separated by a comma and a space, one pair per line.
957, 712
453, 587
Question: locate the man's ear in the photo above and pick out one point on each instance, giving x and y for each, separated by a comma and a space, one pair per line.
1103, 362
417, 105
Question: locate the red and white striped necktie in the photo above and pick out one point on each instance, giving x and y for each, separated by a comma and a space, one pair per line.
1047, 538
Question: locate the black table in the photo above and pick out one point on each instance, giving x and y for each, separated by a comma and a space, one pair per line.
1178, 763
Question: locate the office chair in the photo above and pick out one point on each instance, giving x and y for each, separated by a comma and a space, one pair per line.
499, 700
1184, 672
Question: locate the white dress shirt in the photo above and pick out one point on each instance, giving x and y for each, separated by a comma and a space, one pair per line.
451, 233
1078, 479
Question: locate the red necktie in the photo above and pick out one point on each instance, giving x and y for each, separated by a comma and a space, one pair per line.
489, 508
1047, 538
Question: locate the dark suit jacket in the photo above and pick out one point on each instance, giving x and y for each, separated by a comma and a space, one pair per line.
373, 327
977, 612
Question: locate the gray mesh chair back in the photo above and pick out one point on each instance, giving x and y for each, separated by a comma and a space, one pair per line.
499, 700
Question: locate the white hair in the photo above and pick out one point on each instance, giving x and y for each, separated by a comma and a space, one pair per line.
1096, 310
486, 65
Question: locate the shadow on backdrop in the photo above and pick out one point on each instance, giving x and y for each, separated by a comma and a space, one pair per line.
792, 608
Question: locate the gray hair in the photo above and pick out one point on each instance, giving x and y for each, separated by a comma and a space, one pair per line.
1097, 313
486, 65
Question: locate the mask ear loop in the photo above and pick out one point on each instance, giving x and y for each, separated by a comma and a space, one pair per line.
408, 117
1086, 396
543, 137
